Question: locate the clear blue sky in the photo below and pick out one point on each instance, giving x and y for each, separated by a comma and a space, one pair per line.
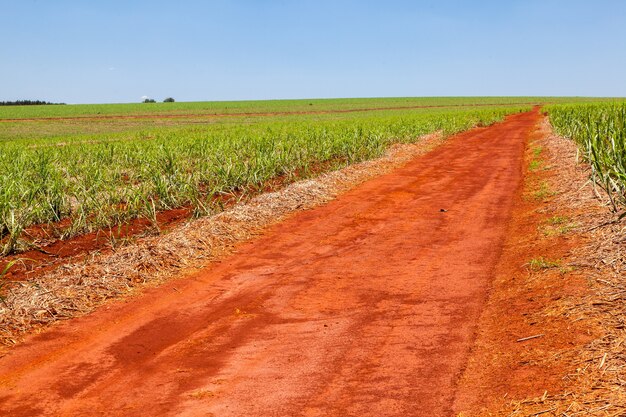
120, 50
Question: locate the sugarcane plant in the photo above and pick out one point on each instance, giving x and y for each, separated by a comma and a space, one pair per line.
600, 131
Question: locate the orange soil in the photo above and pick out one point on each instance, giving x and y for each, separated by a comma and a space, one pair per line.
368, 305
52, 252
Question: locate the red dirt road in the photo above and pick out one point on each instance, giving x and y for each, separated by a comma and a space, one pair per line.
365, 306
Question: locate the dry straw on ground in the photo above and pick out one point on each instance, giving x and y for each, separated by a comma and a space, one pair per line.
77, 289
596, 385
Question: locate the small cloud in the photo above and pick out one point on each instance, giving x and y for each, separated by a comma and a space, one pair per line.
112, 68
144, 97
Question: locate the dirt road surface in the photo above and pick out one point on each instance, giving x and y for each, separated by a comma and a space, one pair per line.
366, 306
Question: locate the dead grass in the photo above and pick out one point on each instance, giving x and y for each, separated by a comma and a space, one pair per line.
596, 385
77, 289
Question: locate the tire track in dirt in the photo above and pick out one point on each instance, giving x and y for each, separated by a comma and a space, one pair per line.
365, 306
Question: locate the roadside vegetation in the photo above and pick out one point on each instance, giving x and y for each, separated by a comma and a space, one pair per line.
600, 131
80, 183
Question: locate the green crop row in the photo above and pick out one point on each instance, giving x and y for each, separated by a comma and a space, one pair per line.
600, 131
91, 184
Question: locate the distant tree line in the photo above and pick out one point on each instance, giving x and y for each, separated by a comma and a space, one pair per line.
151, 100
27, 103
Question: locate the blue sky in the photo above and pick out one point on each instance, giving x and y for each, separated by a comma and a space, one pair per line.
118, 51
